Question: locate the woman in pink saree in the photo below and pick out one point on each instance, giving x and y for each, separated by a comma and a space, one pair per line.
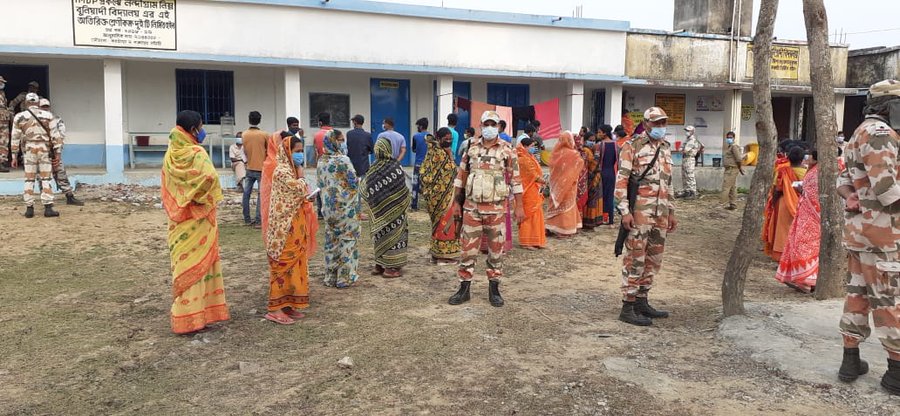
799, 264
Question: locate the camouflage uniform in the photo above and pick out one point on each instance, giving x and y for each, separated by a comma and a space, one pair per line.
689, 163
30, 133
5, 118
58, 127
484, 170
646, 241
872, 236
732, 162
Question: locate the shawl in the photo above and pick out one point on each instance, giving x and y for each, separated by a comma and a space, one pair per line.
265, 182
436, 175
339, 190
388, 197
566, 166
190, 183
287, 196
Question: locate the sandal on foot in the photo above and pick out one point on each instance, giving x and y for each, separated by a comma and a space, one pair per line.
295, 314
392, 273
281, 320
378, 271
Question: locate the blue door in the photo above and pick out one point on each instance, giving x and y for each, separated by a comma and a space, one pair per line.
390, 98
509, 95
464, 90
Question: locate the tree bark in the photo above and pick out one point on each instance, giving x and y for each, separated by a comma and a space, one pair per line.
832, 258
747, 243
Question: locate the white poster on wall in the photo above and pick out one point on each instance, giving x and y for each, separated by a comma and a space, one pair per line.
134, 24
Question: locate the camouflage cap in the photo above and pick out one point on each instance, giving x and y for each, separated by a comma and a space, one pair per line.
490, 115
689, 129
44, 102
885, 88
32, 97
2, 79
655, 114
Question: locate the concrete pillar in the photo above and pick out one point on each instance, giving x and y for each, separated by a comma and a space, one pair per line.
575, 96
732, 114
839, 113
292, 101
445, 99
613, 105
114, 117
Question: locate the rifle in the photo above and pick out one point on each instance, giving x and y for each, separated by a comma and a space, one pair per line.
49, 136
633, 185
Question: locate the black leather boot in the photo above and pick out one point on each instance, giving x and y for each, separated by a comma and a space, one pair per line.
891, 379
494, 293
642, 307
461, 295
29, 212
630, 316
49, 212
852, 367
71, 200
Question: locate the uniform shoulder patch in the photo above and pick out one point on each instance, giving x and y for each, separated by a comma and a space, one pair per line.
881, 130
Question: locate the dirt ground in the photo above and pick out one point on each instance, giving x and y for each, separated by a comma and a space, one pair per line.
84, 329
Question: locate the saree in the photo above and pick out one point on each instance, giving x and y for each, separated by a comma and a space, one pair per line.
531, 231
290, 233
781, 208
566, 166
265, 181
582, 187
592, 214
340, 208
799, 265
388, 199
437, 174
190, 192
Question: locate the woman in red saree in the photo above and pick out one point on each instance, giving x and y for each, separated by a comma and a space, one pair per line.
781, 207
799, 265
190, 193
532, 234
566, 167
592, 213
289, 235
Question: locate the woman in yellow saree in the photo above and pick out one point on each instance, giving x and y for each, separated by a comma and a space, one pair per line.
289, 235
190, 193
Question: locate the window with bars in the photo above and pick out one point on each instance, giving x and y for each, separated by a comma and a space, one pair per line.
210, 93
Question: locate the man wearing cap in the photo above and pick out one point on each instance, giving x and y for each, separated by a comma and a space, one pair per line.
733, 159
5, 117
32, 130
18, 104
870, 184
646, 159
488, 171
689, 151
59, 170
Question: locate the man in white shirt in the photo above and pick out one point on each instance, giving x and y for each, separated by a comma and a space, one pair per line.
238, 161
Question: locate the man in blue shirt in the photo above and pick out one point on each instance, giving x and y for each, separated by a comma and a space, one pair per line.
398, 142
420, 148
452, 119
503, 134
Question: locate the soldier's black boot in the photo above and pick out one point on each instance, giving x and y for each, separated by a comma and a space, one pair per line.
29, 212
642, 307
891, 379
494, 293
630, 316
461, 295
852, 367
71, 200
4, 167
49, 212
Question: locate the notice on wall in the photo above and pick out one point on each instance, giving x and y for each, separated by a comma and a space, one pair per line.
785, 61
747, 112
135, 24
674, 105
710, 103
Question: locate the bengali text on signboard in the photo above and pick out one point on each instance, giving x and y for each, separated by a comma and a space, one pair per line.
673, 104
137, 24
785, 61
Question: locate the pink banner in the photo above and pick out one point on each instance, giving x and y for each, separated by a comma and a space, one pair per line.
547, 113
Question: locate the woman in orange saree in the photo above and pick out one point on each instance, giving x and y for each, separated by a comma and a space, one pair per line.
799, 265
532, 234
781, 207
566, 166
190, 193
289, 235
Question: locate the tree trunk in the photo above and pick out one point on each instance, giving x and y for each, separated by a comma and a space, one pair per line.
747, 243
832, 258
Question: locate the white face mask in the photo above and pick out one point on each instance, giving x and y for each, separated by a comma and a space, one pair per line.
2, 85
839, 139
490, 133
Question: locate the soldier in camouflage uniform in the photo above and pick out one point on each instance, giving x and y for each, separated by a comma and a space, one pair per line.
870, 183
689, 152
31, 130
653, 216
59, 170
19, 103
5, 118
482, 183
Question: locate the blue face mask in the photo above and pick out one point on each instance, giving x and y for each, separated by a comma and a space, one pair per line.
299, 159
729, 140
658, 133
534, 150
201, 135
590, 143
344, 147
